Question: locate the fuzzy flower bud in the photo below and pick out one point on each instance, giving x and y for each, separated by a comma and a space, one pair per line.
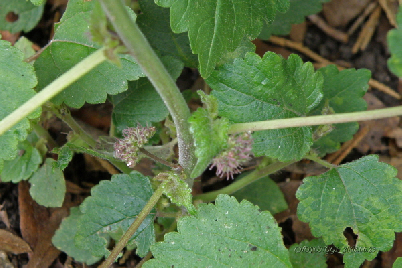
236, 154
134, 138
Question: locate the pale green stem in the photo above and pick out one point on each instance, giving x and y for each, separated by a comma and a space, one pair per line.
320, 161
156, 72
316, 120
52, 89
44, 134
243, 182
133, 228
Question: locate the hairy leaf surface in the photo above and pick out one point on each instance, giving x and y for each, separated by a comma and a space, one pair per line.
28, 15
309, 254
227, 234
111, 209
343, 92
394, 43
17, 80
363, 195
255, 89
217, 27
72, 34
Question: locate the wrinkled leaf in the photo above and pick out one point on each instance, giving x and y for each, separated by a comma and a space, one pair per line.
255, 89
65, 155
27, 15
363, 195
227, 234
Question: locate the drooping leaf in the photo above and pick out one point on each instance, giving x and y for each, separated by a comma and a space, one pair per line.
217, 27
264, 193
343, 91
141, 103
394, 39
72, 35
19, 15
227, 234
363, 195
17, 80
255, 89
296, 13
111, 209
309, 254
154, 23
64, 239
47, 185
21, 167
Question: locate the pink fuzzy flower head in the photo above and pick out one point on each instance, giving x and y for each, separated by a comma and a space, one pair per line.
236, 154
127, 148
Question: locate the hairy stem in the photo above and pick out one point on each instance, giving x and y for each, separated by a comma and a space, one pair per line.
320, 161
133, 227
144, 55
160, 160
243, 182
52, 89
316, 120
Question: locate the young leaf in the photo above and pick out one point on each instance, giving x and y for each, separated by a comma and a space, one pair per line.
65, 155
25, 46
21, 167
363, 195
296, 13
17, 80
227, 234
26, 15
255, 89
264, 193
64, 239
309, 254
72, 35
154, 23
394, 43
112, 208
343, 92
217, 27
47, 185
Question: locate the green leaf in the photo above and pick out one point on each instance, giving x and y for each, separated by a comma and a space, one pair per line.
227, 234
296, 13
343, 92
397, 263
17, 80
25, 46
255, 89
210, 135
28, 15
141, 103
309, 254
363, 195
38, 2
264, 193
65, 155
21, 167
394, 38
217, 27
112, 208
154, 23
47, 185
72, 35
64, 239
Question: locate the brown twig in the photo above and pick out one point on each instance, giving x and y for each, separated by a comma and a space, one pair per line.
367, 32
367, 11
388, 11
320, 23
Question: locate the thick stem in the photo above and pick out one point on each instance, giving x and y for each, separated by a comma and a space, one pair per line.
140, 49
243, 182
316, 120
54, 88
133, 228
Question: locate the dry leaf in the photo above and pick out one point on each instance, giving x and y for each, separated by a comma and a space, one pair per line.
11, 243
341, 12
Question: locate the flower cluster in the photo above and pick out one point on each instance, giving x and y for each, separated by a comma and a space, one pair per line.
236, 154
134, 138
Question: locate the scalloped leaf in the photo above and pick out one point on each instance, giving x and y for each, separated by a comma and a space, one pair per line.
343, 91
47, 185
217, 27
227, 234
111, 209
296, 13
72, 34
17, 80
21, 167
394, 39
64, 239
28, 15
363, 195
255, 89
309, 254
